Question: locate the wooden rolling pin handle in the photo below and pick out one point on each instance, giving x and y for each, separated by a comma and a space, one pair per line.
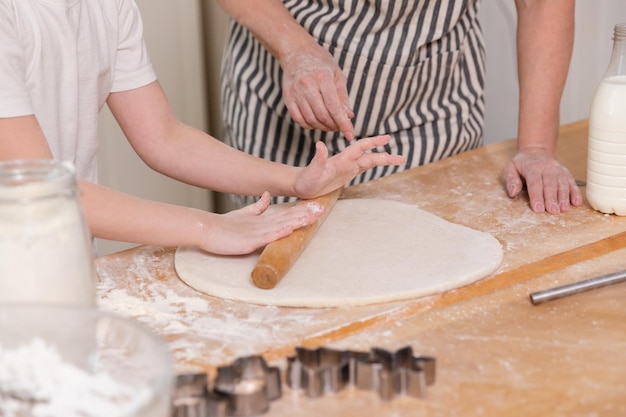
265, 276
278, 256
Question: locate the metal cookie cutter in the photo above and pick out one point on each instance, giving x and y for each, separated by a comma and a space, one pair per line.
318, 371
192, 397
395, 373
323, 370
248, 386
243, 389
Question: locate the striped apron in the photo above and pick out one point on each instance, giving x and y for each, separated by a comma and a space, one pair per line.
415, 70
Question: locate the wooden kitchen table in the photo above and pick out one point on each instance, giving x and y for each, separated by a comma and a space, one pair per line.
497, 354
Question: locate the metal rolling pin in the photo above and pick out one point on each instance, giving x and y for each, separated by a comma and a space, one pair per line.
577, 287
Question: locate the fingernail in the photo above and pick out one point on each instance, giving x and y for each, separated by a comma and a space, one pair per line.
554, 208
511, 189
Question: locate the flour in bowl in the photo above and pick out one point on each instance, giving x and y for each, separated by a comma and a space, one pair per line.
36, 381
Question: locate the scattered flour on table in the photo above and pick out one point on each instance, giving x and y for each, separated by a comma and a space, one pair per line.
35, 381
204, 330
197, 329
197, 333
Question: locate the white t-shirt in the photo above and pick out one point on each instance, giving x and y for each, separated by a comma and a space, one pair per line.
60, 59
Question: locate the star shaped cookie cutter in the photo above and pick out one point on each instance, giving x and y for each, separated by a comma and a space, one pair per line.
243, 389
192, 397
318, 371
390, 374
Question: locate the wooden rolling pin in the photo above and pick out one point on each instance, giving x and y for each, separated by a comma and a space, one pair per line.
280, 255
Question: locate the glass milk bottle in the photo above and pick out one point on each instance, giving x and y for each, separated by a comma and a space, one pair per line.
46, 255
606, 163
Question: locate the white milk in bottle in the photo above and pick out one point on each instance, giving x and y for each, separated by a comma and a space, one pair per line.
606, 163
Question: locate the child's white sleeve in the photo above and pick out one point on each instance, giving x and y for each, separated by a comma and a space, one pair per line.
132, 65
14, 98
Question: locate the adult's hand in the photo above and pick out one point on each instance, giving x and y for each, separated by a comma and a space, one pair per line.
314, 88
315, 91
551, 187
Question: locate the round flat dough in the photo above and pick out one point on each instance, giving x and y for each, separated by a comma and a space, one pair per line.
366, 251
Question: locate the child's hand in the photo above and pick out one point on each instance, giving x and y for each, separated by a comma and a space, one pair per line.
243, 231
325, 174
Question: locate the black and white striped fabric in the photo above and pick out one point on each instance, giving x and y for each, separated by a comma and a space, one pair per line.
415, 71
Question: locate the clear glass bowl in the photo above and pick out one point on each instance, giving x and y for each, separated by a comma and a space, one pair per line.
73, 361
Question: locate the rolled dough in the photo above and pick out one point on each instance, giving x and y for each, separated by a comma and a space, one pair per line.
366, 251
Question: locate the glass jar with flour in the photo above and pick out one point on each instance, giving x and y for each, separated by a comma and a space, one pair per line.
46, 255
606, 161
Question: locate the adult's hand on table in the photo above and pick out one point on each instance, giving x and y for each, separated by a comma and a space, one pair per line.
325, 174
551, 187
315, 91
242, 231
